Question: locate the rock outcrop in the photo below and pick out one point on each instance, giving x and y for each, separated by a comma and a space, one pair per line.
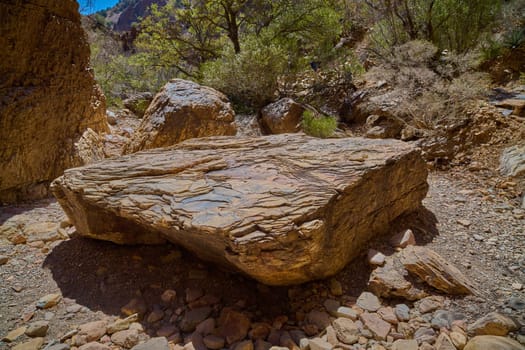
48, 97
512, 162
283, 209
283, 116
183, 110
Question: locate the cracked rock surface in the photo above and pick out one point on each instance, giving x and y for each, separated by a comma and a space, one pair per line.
283, 209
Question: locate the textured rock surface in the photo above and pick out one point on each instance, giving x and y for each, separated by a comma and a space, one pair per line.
391, 280
183, 110
490, 342
282, 116
283, 209
48, 97
512, 162
435, 271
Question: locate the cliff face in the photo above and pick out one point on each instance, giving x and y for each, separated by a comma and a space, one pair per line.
131, 13
48, 97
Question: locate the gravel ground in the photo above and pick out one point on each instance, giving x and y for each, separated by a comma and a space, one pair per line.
470, 218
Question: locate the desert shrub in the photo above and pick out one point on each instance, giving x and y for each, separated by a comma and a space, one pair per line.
514, 39
318, 125
249, 77
490, 49
425, 88
449, 24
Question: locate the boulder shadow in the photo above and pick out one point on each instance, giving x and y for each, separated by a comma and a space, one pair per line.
104, 277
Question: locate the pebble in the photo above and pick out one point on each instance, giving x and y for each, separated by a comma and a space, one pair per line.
387, 314
319, 344
234, 325
458, 339
444, 342
331, 306
122, 324
14, 334
168, 297
134, 306
403, 344
368, 301
90, 332
213, 342
425, 334
516, 303
73, 309
402, 312
37, 329
517, 286
94, 346
347, 312
193, 317
346, 330
376, 325
244, 345
493, 324
159, 343
58, 346
33, 344
336, 288
3, 260
376, 258
441, 319
403, 239
156, 315
126, 339
167, 330
318, 318
488, 342
465, 223
48, 301
430, 304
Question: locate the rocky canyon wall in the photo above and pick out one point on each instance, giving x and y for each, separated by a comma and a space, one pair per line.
48, 96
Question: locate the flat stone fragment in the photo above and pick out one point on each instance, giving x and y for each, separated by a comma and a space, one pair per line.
435, 271
368, 301
493, 323
390, 281
159, 343
283, 209
403, 344
376, 325
490, 342
33, 344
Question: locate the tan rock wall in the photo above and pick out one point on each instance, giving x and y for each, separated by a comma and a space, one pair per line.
48, 97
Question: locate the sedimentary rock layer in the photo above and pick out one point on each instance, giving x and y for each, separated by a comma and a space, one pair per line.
283, 209
48, 97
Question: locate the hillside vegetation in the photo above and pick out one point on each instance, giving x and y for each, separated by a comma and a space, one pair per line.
256, 51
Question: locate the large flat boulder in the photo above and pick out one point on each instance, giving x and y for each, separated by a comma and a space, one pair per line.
183, 110
283, 209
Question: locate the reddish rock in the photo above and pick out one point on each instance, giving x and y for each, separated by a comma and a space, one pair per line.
376, 325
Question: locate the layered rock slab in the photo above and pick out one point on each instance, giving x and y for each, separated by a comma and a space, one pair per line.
283, 209
48, 96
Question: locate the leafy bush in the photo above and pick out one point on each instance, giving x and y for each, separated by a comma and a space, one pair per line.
317, 125
249, 77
